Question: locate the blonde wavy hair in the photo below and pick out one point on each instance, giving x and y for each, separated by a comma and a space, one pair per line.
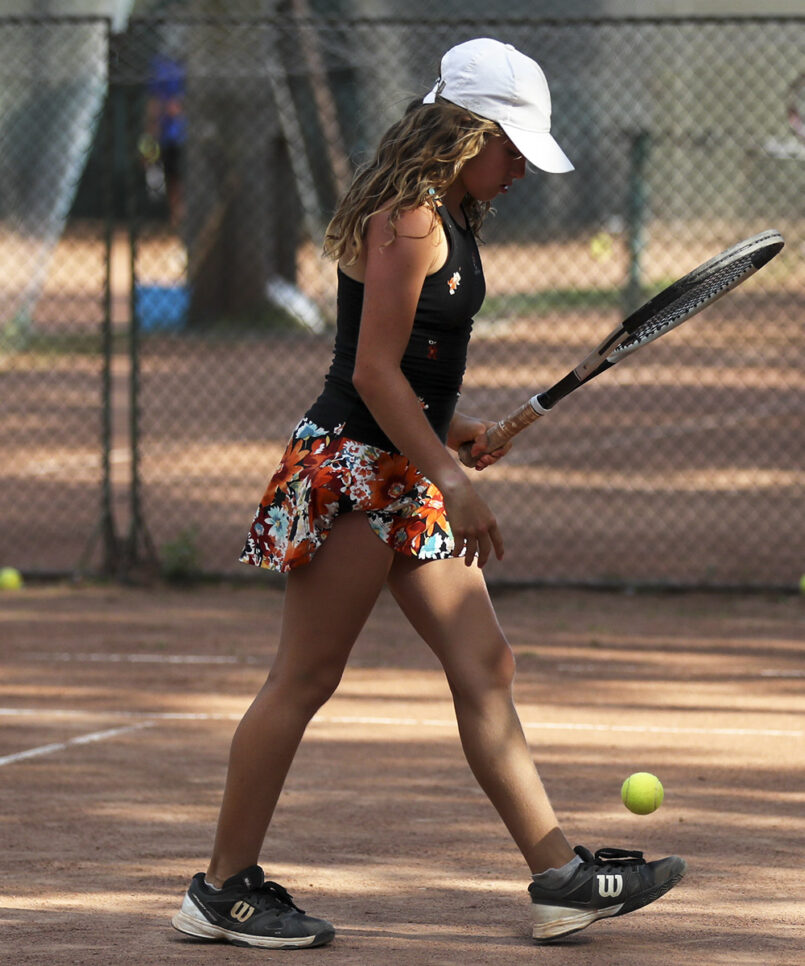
424, 150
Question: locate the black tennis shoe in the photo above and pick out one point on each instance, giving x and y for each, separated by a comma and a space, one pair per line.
248, 911
610, 883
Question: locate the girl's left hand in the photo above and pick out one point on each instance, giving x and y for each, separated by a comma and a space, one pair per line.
485, 459
466, 428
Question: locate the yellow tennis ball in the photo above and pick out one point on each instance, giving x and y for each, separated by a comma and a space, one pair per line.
642, 793
802, 584
10, 579
601, 246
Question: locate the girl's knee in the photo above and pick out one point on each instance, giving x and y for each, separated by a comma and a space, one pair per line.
307, 689
502, 667
492, 671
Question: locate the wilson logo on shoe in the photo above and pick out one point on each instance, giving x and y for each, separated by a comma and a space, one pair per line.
610, 886
241, 911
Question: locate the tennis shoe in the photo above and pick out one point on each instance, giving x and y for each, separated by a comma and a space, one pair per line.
610, 883
248, 911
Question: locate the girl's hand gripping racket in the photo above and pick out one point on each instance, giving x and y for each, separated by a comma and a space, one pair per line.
680, 301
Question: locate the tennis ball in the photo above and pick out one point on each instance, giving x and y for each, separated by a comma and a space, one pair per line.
642, 793
10, 579
601, 246
802, 584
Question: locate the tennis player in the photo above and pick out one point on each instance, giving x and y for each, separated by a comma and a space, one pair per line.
368, 494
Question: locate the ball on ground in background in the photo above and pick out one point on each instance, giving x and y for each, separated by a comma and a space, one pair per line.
642, 793
601, 246
802, 584
10, 578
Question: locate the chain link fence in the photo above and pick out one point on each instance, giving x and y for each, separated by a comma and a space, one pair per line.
166, 317
53, 293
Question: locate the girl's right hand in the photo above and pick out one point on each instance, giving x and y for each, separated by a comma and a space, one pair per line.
474, 527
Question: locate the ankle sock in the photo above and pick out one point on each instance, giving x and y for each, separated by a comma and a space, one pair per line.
556, 878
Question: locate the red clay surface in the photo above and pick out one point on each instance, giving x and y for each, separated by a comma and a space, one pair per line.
127, 699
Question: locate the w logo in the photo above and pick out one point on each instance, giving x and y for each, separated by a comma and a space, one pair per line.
610, 886
241, 911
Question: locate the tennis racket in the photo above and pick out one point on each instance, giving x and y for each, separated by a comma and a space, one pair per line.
670, 308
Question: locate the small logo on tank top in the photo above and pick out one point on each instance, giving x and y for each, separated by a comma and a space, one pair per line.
453, 282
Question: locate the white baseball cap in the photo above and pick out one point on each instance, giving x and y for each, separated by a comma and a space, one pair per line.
496, 81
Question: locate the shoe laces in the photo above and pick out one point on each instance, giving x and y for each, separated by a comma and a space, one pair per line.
618, 858
273, 894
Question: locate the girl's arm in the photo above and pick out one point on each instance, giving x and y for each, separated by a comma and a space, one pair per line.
394, 275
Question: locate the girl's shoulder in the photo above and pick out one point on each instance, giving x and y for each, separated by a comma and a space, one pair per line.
412, 236
416, 222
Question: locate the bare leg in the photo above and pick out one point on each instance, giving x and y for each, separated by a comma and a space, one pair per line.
326, 604
448, 604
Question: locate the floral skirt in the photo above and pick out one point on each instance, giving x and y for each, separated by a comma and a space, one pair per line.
323, 474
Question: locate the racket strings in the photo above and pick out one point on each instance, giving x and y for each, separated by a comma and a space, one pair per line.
703, 292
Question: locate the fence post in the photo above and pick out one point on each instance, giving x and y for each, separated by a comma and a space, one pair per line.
636, 216
105, 529
139, 548
109, 535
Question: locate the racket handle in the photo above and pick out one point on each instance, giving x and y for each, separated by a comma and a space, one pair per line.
503, 431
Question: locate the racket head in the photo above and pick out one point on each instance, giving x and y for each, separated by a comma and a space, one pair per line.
695, 291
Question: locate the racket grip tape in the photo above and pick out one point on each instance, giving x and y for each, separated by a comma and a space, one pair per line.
504, 430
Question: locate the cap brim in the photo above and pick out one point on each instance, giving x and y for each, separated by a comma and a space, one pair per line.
539, 149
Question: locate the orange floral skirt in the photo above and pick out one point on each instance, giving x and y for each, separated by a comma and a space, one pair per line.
323, 474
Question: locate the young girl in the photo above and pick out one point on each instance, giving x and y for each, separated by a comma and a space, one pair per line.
368, 494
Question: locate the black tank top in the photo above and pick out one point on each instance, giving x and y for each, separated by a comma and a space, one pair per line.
436, 354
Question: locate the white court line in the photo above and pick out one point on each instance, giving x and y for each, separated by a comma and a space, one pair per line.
571, 726
102, 657
153, 718
80, 740
582, 667
105, 658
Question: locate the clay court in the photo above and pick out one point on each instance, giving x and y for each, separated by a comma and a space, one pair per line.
118, 705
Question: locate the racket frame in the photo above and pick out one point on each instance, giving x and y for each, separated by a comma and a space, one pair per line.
759, 249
